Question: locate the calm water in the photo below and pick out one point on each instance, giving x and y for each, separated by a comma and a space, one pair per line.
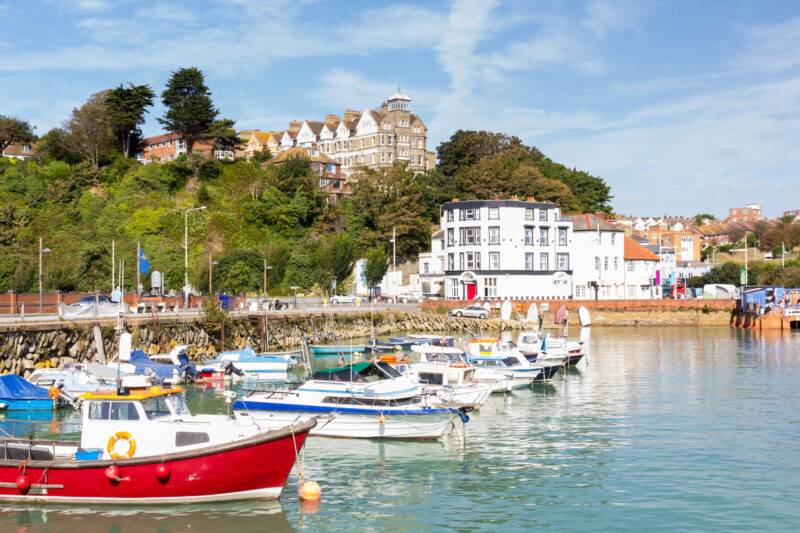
665, 429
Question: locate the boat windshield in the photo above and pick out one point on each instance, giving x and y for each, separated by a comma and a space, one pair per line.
179, 405
389, 369
156, 407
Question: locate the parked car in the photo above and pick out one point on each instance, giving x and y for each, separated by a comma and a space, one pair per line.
406, 297
343, 299
474, 311
101, 298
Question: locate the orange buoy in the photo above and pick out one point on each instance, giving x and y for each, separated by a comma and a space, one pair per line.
310, 491
381, 419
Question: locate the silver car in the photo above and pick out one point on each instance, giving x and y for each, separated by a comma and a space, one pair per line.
474, 311
343, 299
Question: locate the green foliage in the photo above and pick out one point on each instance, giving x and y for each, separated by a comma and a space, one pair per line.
14, 130
486, 164
126, 108
215, 315
238, 278
699, 217
299, 271
334, 256
376, 267
189, 109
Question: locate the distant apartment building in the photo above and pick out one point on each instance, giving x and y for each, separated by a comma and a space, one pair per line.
167, 147
20, 151
748, 213
641, 271
686, 244
792, 213
330, 179
373, 138
258, 141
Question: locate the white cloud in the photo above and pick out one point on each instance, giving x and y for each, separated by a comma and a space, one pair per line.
771, 47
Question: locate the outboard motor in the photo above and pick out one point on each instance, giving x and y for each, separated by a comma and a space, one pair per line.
228, 368
188, 371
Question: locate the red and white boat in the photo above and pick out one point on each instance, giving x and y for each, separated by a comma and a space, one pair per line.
142, 446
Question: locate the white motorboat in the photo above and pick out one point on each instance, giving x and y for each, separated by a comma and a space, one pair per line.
250, 365
496, 379
453, 383
537, 347
364, 400
74, 379
174, 371
498, 355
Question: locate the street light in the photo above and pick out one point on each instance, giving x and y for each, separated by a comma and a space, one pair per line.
210, 268
266, 267
294, 288
41, 251
186, 254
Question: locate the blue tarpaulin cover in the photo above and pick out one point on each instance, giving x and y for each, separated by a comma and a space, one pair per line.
162, 370
13, 387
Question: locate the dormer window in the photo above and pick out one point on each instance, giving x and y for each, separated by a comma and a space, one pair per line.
26, 148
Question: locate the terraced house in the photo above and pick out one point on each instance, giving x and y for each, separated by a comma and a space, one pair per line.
373, 138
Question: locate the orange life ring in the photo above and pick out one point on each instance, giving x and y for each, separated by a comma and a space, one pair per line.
121, 435
459, 365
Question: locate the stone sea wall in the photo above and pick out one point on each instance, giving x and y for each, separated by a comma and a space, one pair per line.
23, 350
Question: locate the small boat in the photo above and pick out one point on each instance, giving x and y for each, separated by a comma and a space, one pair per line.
453, 383
75, 379
20, 395
498, 355
394, 343
495, 379
436, 340
143, 446
177, 370
318, 349
539, 348
249, 362
583, 316
363, 400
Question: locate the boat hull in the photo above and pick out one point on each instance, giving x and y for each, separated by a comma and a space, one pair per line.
420, 425
29, 405
336, 350
252, 468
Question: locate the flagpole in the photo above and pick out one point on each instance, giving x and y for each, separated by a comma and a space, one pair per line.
138, 254
113, 265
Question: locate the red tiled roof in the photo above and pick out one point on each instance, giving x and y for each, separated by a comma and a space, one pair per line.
636, 252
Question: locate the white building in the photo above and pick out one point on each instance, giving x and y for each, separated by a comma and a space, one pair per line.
598, 270
430, 280
506, 249
641, 266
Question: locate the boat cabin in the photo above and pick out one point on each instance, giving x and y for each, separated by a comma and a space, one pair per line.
367, 372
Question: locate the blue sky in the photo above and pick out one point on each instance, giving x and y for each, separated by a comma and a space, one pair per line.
682, 106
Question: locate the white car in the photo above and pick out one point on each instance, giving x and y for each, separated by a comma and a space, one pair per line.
343, 299
474, 311
406, 297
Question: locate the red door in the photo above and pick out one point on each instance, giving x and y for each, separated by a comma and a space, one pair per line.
471, 287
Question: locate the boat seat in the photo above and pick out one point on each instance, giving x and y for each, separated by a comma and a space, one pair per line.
21, 451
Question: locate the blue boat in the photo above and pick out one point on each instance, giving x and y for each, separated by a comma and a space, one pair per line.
335, 350
397, 341
247, 360
19, 395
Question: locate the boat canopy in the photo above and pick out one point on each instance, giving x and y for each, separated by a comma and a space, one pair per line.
366, 371
133, 394
14, 387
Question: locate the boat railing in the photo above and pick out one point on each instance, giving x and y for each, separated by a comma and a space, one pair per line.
39, 429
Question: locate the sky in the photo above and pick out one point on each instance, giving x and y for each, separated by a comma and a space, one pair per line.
682, 106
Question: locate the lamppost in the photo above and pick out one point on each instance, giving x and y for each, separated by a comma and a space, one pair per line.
186, 254
210, 268
41, 251
266, 267
294, 288
394, 265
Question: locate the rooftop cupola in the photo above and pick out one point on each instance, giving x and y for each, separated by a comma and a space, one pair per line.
398, 101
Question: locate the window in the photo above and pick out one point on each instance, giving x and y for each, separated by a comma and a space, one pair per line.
563, 261
494, 260
580, 291
631, 291
529, 214
597, 263
606, 264
470, 214
631, 266
494, 235
543, 236
490, 287
528, 235
528, 261
113, 411
383, 139
470, 235
451, 261
542, 214
383, 157
471, 261
544, 262
155, 407
745, 212
426, 268
390, 157
450, 236
26, 148
616, 263
389, 139
562, 236
494, 213
450, 215
613, 238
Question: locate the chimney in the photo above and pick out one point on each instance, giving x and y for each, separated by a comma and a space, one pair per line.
531, 199
295, 125
351, 115
332, 118
384, 107
514, 197
455, 199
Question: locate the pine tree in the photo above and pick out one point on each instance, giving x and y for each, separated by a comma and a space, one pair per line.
190, 110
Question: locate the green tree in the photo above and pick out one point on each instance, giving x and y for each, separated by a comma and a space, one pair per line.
334, 257
126, 108
699, 217
376, 267
225, 137
238, 278
14, 130
55, 145
189, 109
89, 130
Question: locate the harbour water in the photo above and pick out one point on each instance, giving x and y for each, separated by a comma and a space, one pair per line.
662, 429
